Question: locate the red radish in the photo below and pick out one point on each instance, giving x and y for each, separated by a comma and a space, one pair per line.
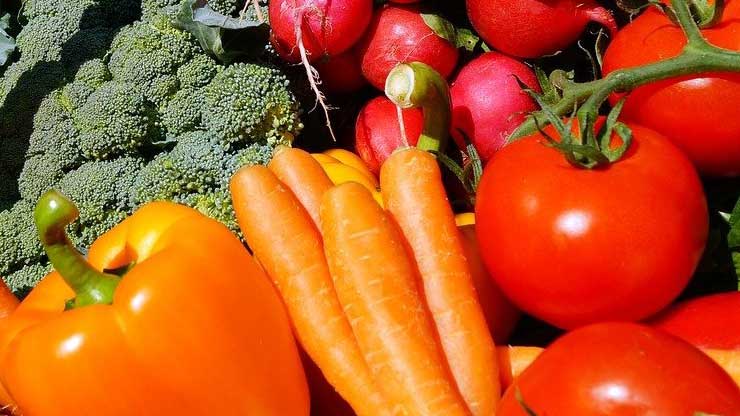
341, 74
535, 28
707, 322
378, 134
488, 103
328, 27
307, 30
399, 34
404, 1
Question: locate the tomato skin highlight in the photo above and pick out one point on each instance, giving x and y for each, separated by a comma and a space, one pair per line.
572, 246
699, 113
706, 322
623, 369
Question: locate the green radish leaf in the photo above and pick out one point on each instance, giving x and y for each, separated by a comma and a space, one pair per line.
441, 26
733, 238
7, 43
467, 40
224, 37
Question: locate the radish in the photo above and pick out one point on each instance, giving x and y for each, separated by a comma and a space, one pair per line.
399, 34
488, 103
308, 30
378, 134
342, 74
535, 28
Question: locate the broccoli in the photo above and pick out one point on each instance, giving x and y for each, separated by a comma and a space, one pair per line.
150, 117
115, 120
248, 102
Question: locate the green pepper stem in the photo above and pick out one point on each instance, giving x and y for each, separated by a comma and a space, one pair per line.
52, 215
417, 85
697, 57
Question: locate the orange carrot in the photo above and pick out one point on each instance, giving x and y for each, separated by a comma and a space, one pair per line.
289, 247
303, 175
375, 281
413, 192
8, 301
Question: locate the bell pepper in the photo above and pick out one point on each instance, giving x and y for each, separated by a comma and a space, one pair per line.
168, 315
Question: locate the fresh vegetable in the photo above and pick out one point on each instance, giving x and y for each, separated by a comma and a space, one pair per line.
622, 369
488, 103
378, 133
303, 176
500, 314
399, 34
321, 27
707, 322
533, 28
344, 166
157, 119
512, 361
375, 282
289, 247
126, 344
697, 112
8, 301
342, 74
573, 246
418, 203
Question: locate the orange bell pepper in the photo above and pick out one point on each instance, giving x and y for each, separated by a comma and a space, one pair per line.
192, 327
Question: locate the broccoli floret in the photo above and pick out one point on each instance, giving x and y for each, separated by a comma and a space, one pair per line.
19, 242
198, 72
183, 113
250, 103
22, 281
101, 191
39, 174
115, 120
93, 73
55, 135
147, 55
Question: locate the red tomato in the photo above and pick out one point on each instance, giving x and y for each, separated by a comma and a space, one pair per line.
707, 322
574, 246
699, 113
623, 369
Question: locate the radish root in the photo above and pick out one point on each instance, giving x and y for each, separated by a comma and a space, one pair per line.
314, 78
402, 126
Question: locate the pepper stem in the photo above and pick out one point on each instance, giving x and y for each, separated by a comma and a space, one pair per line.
414, 85
52, 215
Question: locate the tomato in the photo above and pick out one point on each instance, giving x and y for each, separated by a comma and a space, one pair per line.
573, 246
698, 113
707, 322
622, 369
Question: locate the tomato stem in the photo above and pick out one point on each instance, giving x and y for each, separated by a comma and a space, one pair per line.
697, 57
414, 85
54, 212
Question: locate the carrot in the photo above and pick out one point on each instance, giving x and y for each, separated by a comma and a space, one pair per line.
303, 175
8, 301
289, 247
375, 281
513, 361
411, 184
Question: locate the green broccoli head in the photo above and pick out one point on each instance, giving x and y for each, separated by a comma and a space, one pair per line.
101, 191
183, 113
39, 174
198, 72
115, 120
248, 103
147, 55
93, 73
19, 242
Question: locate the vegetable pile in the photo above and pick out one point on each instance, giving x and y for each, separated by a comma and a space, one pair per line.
363, 208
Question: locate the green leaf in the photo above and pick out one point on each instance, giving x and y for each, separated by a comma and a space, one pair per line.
550, 93
733, 238
224, 37
7, 43
441, 26
706, 13
467, 40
